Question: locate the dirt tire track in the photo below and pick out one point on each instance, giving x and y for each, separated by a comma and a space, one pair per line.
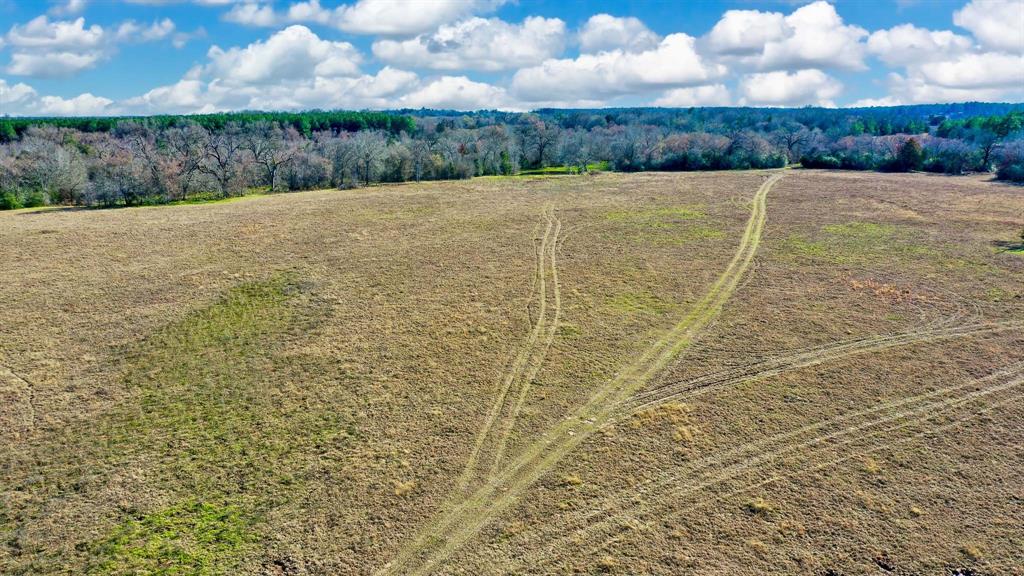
510, 375
801, 359
534, 366
454, 528
598, 520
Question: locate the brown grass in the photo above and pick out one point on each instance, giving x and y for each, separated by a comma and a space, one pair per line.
294, 384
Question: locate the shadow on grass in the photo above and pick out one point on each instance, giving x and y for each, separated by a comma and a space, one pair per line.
1009, 246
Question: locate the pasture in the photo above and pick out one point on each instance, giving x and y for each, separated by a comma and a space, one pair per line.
750, 372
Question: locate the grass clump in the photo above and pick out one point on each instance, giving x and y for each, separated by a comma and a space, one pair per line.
639, 302
759, 506
572, 480
197, 538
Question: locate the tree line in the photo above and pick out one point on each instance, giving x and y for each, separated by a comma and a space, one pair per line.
152, 160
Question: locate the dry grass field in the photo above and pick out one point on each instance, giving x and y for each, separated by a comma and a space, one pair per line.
762, 372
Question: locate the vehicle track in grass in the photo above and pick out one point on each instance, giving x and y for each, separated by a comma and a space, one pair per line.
679, 389
449, 531
664, 496
535, 366
526, 358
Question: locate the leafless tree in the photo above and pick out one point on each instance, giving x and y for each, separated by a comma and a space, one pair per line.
223, 159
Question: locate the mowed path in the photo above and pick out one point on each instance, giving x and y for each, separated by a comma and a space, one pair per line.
455, 526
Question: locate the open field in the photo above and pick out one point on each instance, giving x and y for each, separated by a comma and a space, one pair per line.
757, 372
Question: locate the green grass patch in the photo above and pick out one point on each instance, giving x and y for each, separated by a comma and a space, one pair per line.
215, 414
669, 225
564, 170
194, 538
656, 216
862, 242
798, 245
639, 303
566, 330
861, 230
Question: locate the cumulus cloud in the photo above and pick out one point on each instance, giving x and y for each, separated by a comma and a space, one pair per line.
254, 15
293, 53
68, 8
782, 88
941, 66
46, 48
296, 69
874, 102
81, 105
673, 63
51, 64
478, 44
13, 97
907, 44
21, 99
456, 93
384, 17
746, 32
915, 89
997, 24
813, 36
607, 32
710, 95
988, 70
40, 32
397, 18
132, 31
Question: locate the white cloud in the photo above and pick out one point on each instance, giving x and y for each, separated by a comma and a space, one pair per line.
81, 105
871, 102
402, 18
46, 48
907, 44
13, 96
997, 24
673, 63
295, 69
132, 31
383, 17
746, 32
180, 39
40, 32
51, 64
456, 93
478, 44
68, 8
987, 70
915, 89
784, 88
295, 52
253, 15
607, 32
813, 36
711, 95
184, 96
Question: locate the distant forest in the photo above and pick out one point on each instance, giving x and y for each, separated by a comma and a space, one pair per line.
126, 161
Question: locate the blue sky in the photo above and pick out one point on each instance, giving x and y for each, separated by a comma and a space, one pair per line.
153, 56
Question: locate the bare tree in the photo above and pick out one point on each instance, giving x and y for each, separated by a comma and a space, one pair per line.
369, 149
223, 159
186, 148
271, 148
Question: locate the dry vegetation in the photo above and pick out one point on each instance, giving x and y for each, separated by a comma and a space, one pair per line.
712, 373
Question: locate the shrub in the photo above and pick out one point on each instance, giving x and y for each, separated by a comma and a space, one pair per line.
823, 161
1012, 171
9, 200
